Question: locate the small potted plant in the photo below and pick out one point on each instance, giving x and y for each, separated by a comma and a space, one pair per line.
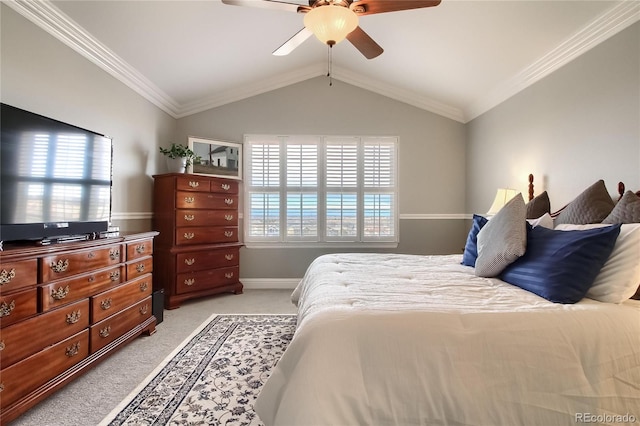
179, 157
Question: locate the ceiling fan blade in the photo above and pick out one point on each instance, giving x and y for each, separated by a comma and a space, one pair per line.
365, 44
369, 7
293, 42
267, 4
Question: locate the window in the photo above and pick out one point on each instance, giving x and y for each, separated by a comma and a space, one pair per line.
320, 189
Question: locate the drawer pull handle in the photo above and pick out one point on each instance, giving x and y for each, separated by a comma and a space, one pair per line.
114, 276
225, 186
5, 309
114, 254
194, 184
228, 217
228, 275
140, 267
91, 255
228, 201
189, 200
190, 281
144, 309
189, 217
140, 248
1, 387
60, 293
144, 286
228, 256
2, 346
105, 331
106, 304
228, 234
60, 266
73, 317
189, 261
7, 276
72, 350
189, 235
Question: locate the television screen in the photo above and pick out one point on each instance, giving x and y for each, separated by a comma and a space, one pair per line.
55, 178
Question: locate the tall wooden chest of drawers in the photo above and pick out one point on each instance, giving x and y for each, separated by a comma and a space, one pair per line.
65, 307
197, 252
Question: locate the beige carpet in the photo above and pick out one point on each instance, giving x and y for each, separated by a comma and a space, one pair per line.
87, 400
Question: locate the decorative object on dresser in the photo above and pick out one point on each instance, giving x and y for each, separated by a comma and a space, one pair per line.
179, 157
197, 251
216, 158
64, 307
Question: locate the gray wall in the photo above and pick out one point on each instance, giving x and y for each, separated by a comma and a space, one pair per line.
42, 75
578, 125
431, 159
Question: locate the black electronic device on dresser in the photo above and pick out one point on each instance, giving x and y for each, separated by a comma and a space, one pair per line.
55, 179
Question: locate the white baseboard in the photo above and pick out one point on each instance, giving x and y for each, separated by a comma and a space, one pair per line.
269, 283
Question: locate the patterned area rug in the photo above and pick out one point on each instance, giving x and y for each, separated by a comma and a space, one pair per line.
214, 377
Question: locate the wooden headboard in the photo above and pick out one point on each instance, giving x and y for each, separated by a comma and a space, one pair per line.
621, 189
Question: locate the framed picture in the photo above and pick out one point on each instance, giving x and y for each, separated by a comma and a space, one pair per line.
216, 158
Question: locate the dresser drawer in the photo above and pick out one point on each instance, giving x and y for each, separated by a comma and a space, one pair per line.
202, 200
16, 275
139, 267
18, 341
62, 292
111, 301
201, 235
110, 329
17, 306
68, 264
207, 259
203, 280
224, 186
206, 218
25, 376
139, 249
193, 183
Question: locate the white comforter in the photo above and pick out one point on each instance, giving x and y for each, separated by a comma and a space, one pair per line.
399, 339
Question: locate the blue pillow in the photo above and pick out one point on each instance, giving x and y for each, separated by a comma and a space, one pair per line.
471, 247
561, 266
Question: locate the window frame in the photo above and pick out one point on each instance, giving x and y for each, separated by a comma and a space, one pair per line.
322, 188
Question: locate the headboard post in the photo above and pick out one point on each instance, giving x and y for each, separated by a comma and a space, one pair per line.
530, 187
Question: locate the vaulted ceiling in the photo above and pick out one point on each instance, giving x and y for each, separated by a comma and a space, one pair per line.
457, 59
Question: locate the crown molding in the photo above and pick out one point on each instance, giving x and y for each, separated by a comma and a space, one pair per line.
616, 19
247, 91
48, 17
398, 94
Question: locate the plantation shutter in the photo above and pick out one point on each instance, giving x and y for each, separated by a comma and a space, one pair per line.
311, 189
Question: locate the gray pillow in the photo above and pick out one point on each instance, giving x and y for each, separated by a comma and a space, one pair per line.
627, 210
503, 239
592, 206
538, 206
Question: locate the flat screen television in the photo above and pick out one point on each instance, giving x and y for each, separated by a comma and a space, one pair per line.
55, 178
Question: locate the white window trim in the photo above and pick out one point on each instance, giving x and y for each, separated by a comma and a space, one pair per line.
321, 240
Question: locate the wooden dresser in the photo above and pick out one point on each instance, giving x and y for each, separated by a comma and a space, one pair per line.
65, 307
197, 251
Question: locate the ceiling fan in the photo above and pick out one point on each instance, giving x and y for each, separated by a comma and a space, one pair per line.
331, 21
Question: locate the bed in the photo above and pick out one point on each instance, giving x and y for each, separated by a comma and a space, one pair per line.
399, 339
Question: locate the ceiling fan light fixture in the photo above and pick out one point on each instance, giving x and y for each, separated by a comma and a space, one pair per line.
330, 23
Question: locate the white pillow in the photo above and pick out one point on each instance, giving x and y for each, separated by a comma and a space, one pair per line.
619, 278
546, 221
503, 239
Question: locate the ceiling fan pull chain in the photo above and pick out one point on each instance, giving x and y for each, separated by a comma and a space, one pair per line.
330, 65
